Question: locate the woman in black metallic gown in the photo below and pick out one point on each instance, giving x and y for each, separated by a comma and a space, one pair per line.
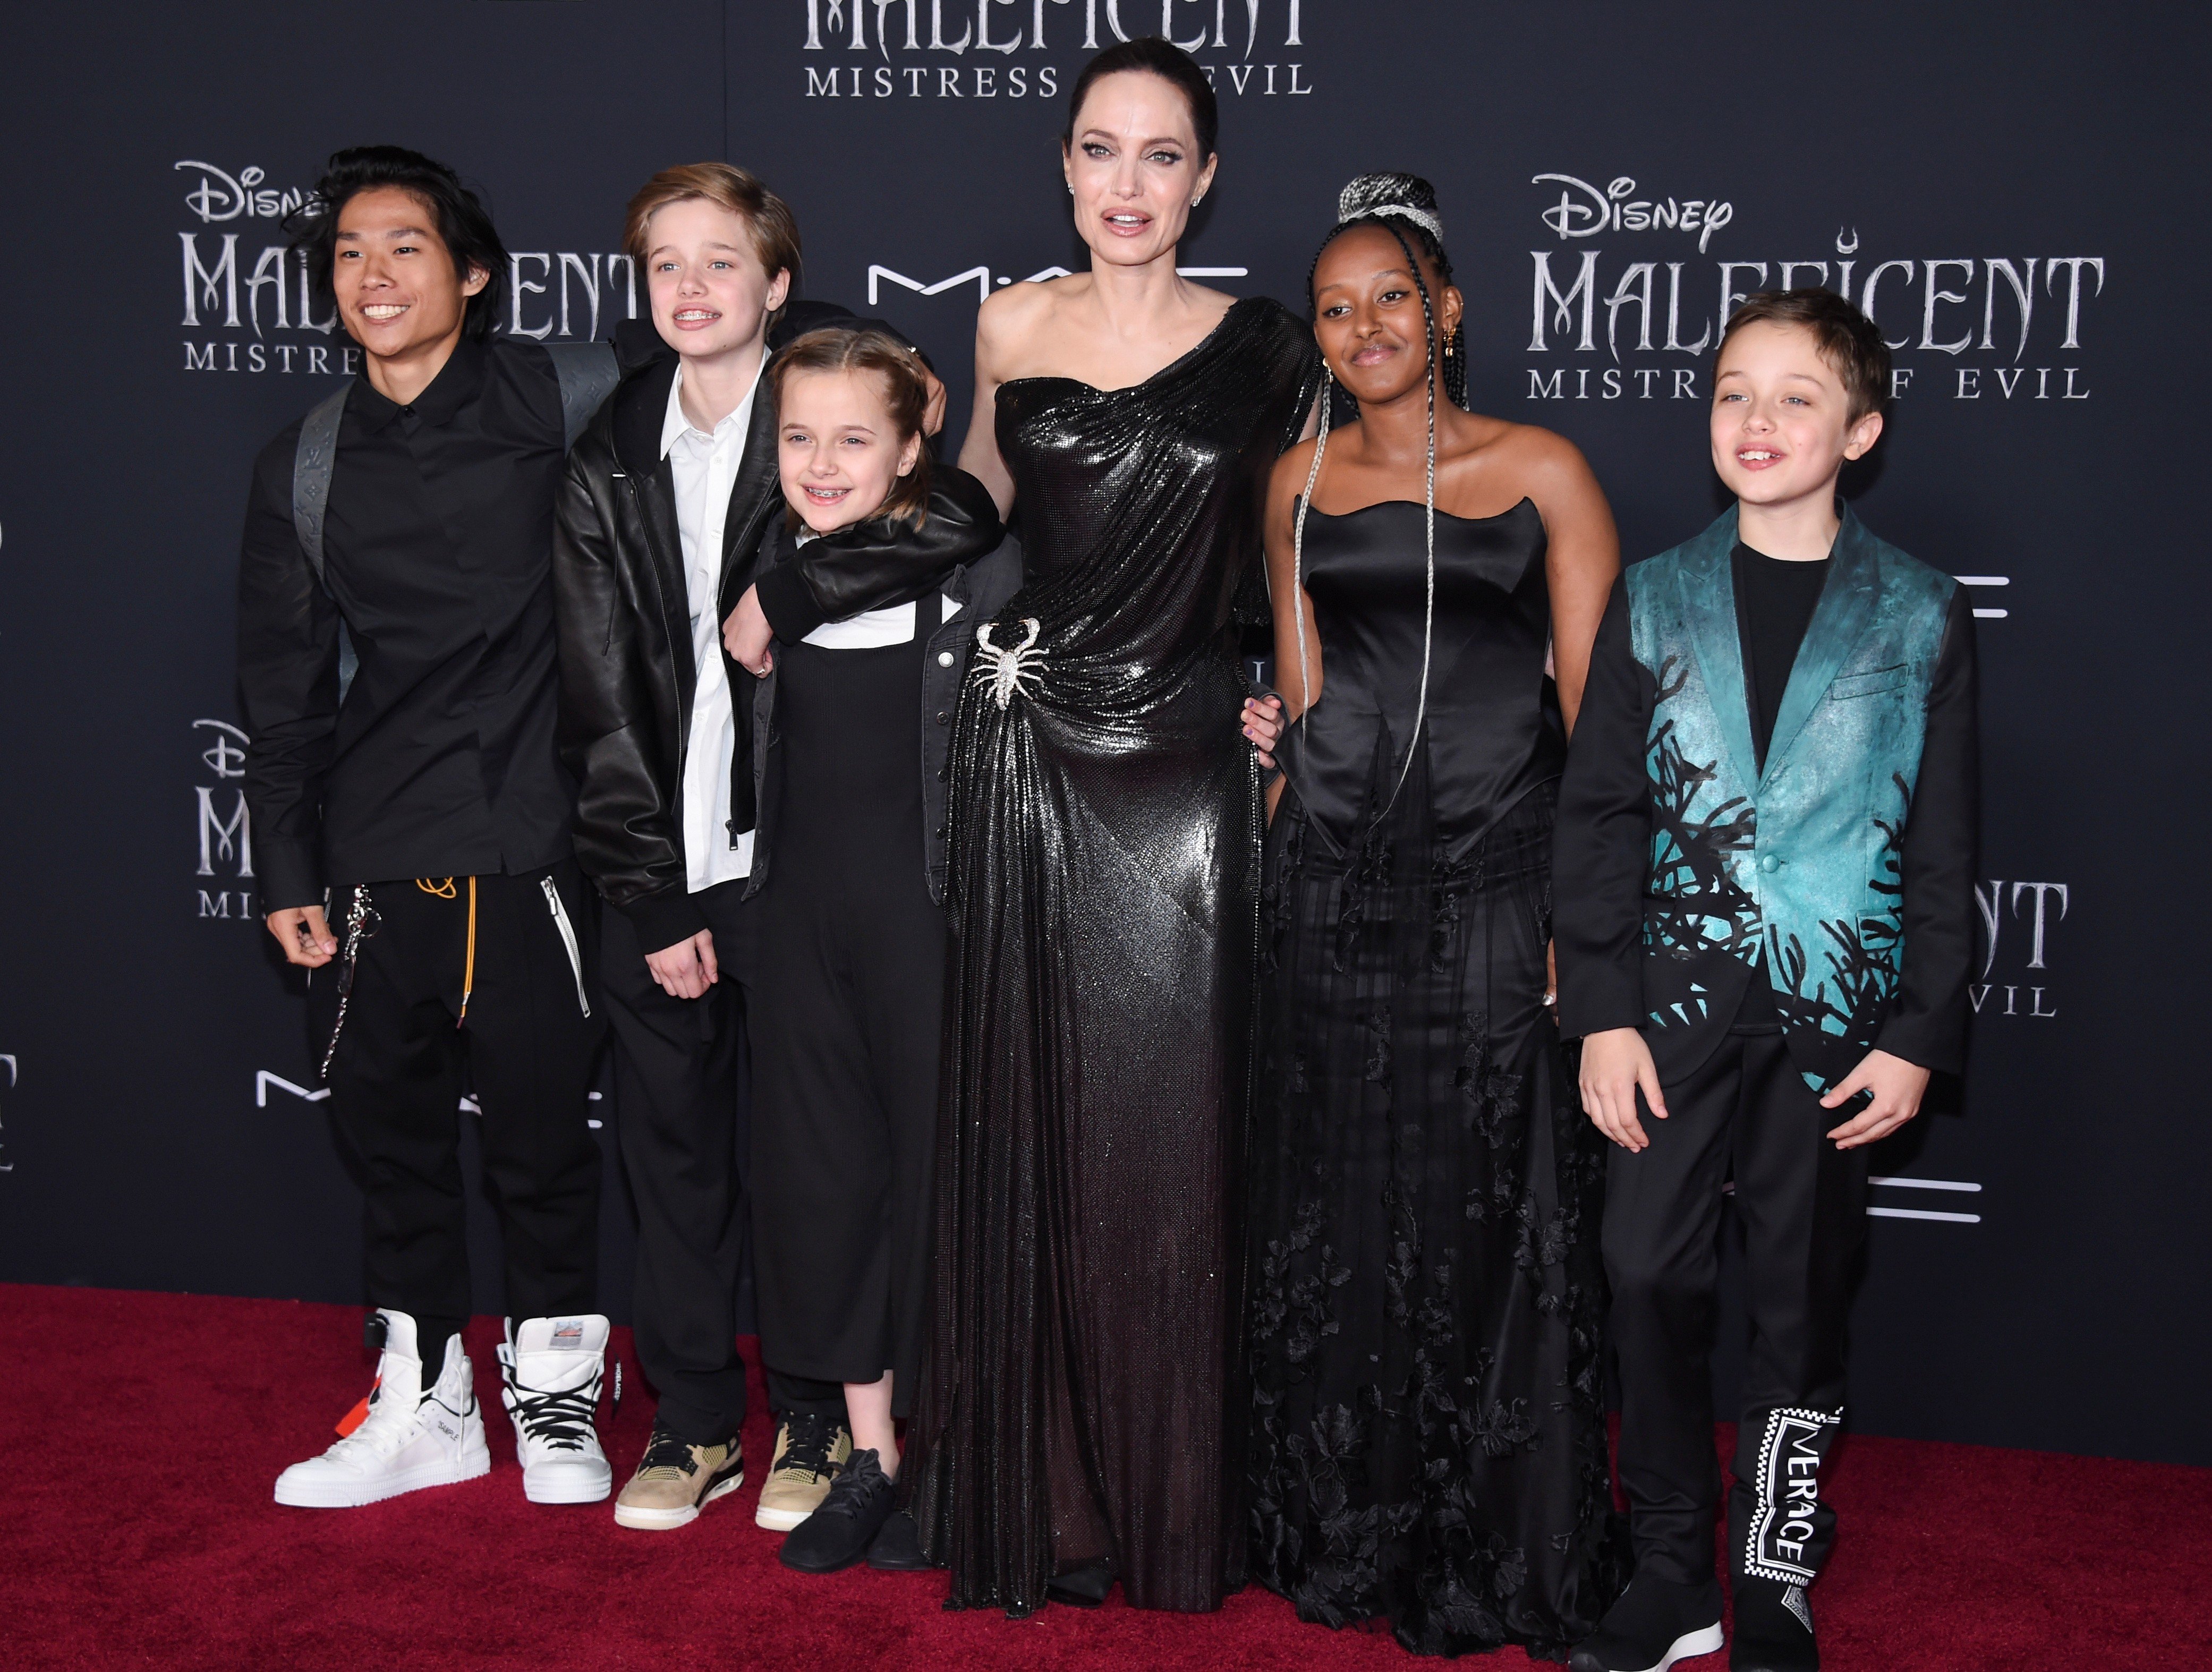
1428, 1442
1079, 1420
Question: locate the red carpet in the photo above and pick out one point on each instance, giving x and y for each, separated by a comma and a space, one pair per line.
142, 1433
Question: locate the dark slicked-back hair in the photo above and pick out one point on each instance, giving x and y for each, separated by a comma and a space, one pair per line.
462, 223
1153, 57
1845, 338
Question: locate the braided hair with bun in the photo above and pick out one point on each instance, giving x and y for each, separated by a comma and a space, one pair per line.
1405, 206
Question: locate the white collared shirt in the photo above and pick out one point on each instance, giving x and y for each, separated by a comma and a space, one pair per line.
705, 467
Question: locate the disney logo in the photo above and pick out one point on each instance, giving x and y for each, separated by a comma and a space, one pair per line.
228, 758
1612, 208
220, 195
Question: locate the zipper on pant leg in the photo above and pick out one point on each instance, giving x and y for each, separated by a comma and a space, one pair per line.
568, 938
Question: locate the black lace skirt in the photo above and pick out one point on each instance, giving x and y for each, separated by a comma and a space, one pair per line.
1428, 1445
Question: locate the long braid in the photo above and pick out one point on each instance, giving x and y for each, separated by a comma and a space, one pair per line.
1298, 550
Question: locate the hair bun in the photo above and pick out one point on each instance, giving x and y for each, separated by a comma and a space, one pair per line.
1372, 191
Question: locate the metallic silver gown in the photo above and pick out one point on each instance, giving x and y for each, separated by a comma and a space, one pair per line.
1081, 1414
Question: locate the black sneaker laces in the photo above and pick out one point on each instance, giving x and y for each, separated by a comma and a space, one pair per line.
668, 1450
860, 1481
563, 1421
807, 1447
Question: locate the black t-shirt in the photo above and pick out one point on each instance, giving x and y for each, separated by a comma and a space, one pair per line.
1774, 602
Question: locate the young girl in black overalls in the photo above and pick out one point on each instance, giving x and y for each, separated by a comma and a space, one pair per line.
849, 855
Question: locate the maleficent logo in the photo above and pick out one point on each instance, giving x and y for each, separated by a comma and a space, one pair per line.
921, 49
2021, 920
226, 828
1995, 316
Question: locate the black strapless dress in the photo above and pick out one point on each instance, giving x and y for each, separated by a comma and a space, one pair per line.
1428, 1422
1078, 1413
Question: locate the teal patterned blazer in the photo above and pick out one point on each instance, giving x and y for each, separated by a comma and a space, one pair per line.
1794, 869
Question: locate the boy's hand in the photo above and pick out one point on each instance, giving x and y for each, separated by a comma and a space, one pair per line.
304, 935
1898, 1086
686, 970
746, 635
1263, 724
1616, 1064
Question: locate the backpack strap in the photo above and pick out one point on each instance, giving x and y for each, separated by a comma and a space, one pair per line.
312, 462
588, 372
311, 474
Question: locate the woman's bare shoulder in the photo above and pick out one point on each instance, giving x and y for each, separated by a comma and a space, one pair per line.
1013, 316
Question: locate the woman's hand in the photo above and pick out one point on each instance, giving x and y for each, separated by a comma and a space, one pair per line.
933, 414
746, 635
1263, 724
686, 970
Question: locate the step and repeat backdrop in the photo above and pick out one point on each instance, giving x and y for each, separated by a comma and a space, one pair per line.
2008, 190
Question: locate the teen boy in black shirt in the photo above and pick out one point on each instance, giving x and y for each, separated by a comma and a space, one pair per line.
403, 780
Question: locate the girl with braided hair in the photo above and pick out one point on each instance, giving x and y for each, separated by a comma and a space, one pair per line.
1428, 1440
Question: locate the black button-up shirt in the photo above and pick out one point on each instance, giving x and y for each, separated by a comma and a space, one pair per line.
438, 548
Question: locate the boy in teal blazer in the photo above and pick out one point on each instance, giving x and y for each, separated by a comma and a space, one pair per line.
1763, 883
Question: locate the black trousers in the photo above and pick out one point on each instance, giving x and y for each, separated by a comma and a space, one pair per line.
681, 1116
1746, 1110
846, 1046
405, 1058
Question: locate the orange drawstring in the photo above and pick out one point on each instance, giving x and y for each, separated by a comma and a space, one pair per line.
444, 889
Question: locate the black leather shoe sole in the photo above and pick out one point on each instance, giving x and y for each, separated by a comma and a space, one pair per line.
898, 1548
831, 1543
1084, 1587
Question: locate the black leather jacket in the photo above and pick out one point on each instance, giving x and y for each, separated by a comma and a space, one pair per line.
623, 615
960, 552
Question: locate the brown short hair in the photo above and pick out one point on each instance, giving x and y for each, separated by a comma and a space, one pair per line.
848, 349
1845, 337
775, 229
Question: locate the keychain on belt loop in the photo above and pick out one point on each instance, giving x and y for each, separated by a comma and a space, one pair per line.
444, 889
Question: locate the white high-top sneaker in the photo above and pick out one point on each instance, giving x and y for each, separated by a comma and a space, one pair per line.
549, 1372
413, 1437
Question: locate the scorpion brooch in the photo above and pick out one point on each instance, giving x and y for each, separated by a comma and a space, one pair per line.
1013, 670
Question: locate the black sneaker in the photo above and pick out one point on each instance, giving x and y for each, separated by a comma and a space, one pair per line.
898, 1548
1654, 1625
839, 1532
1773, 1628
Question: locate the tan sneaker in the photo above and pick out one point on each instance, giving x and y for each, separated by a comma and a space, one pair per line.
675, 1479
810, 1451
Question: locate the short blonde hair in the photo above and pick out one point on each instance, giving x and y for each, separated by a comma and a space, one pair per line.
775, 229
